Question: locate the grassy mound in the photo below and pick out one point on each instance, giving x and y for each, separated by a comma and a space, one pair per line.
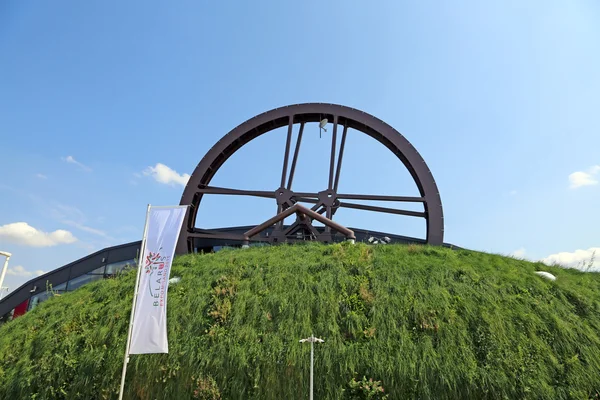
423, 322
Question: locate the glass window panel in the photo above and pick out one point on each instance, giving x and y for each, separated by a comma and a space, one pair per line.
98, 271
117, 267
60, 288
259, 244
39, 298
82, 280
8, 316
217, 248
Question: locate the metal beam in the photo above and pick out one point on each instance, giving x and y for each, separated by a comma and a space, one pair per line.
236, 192
287, 150
297, 208
295, 159
340, 157
383, 209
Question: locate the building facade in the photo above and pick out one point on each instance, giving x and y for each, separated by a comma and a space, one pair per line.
102, 264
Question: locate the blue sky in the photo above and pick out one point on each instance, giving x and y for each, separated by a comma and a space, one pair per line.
499, 97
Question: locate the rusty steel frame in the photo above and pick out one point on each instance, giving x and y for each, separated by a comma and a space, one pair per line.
326, 201
301, 211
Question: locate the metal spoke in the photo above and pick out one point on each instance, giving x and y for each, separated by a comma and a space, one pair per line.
406, 199
329, 212
305, 194
217, 235
316, 202
287, 150
288, 141
307, 200
237, 192
318, 206
295, 159
383, 209
339, 164
301, 220
333, 145
299, 210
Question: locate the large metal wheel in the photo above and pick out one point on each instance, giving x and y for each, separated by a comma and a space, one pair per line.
327, 199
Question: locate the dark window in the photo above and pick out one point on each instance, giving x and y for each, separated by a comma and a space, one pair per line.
39, 298
82, 280
7, 317
59, 288
98, 271
114, 268
217, 248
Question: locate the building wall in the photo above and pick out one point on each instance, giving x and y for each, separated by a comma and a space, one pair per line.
99, 265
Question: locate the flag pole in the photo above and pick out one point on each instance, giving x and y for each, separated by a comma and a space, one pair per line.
135, 293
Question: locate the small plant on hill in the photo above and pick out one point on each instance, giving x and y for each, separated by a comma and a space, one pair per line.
365, 389
207, 389
589, 264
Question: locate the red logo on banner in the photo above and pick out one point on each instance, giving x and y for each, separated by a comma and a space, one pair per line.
155, 266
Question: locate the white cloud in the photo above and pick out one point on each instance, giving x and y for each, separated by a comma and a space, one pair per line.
128, 229
136, 176
163, 174
19, 270
519, 253
71, 160
41, 176
74, 217
581, 178
85, 228
584, 178
513, 192
24, 234
581, 259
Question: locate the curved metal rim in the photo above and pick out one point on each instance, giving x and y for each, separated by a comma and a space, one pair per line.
313, 112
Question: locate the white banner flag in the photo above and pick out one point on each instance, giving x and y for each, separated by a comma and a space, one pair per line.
149, 333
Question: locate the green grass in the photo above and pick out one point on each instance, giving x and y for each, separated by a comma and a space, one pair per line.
429, 323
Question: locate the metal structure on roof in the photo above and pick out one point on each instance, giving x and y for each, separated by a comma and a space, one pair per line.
326, 200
